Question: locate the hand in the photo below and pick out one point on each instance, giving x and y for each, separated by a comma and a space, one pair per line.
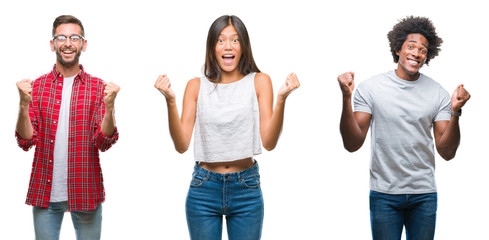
163, 84
291, 83
346, 83
459, 98
25, 91
110, 92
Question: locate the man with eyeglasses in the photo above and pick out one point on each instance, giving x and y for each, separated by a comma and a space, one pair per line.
69, 115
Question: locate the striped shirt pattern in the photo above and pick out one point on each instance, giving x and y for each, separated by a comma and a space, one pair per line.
85, 181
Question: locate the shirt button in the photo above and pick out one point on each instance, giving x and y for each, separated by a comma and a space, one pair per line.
49, 180
52, 141
54, 122
60, 84
57, 101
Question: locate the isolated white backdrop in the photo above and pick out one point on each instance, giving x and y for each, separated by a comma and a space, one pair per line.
313, 188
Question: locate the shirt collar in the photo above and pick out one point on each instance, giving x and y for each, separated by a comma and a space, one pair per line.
79, 77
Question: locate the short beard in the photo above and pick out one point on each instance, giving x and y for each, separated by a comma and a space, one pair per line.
63, 62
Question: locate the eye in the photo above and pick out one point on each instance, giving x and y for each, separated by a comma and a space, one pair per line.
424, 51
410, 47
220, 41
60, 37
75, 38
235, 40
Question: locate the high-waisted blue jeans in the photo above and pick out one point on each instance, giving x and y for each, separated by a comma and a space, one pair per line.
389, 213
234, 195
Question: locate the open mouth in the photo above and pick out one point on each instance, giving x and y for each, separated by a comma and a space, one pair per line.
68, 51
228, 59
413, 62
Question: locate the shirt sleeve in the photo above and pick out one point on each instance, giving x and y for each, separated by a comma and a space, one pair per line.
444, 108
26, 144
103, 142
361, 101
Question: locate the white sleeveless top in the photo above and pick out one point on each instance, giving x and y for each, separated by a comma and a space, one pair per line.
227, 123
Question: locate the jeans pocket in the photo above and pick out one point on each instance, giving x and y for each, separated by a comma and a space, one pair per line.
251, 181
197, 180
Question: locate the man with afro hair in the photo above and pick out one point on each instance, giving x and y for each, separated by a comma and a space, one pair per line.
402, 106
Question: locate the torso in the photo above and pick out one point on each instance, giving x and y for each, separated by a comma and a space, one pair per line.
228, 167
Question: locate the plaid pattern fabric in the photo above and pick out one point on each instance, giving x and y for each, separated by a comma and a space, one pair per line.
85, 181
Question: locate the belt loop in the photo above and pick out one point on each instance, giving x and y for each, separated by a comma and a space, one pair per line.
239, 176
208, 174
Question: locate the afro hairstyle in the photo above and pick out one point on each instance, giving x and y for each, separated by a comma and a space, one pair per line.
408, 25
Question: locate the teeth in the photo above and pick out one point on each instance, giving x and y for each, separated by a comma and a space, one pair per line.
228, 56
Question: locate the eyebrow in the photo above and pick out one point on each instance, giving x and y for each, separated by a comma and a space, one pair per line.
426, 46
232, 35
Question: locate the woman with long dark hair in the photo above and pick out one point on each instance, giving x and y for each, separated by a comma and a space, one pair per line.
231, 108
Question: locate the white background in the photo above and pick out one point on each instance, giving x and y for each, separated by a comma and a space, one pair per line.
313, 188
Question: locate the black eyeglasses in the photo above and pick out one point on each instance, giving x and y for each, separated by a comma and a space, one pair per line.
73, 38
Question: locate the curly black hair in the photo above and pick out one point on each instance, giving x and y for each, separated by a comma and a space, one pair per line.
411, 24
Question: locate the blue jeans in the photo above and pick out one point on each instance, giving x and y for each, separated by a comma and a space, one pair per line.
389, 213
47, 222
234, 195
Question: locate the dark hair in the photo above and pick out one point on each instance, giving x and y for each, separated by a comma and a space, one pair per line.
246, 64
67, 19
422, 25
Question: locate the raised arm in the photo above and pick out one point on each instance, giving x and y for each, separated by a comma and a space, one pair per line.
24, 126
180, 129
447, 133
108, 122
353, 126
271, 121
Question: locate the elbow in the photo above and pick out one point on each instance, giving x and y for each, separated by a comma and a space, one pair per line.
351, 147
447, 153
269, 147
181, 150
448, 156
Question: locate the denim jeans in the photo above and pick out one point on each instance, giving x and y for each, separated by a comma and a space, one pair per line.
389, 213
234, 195
47, 222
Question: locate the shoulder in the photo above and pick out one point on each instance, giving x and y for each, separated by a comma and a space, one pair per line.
193, 88
262, 77
193, 83
262, 81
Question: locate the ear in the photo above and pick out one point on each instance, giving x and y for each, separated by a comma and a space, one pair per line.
53, 46
398, 53
84, 47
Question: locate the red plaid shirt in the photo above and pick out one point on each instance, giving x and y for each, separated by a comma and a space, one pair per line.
85, 182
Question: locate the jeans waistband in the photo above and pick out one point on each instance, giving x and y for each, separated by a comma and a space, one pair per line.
226, 176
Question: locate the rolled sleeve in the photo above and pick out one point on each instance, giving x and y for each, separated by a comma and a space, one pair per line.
103, 142
25, 144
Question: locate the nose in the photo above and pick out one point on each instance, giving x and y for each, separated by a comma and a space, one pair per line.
227, 45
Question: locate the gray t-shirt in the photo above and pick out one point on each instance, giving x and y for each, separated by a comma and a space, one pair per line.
403, 113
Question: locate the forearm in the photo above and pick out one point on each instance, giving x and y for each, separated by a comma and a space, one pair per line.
24, 126
351, 132
450, 140
108, 122
274, 128
176, 129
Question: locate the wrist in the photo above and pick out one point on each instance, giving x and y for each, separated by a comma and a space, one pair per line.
281, 99
455, 112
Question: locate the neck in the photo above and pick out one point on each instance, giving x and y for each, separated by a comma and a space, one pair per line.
407, 76
68, 70
229, 77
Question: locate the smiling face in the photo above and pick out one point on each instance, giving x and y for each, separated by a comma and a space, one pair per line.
68, 52
412, 56
228, 49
